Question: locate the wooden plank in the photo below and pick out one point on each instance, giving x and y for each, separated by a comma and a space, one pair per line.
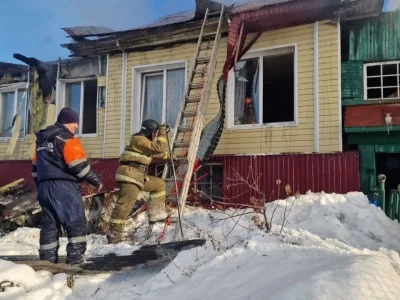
10, 185
15, 135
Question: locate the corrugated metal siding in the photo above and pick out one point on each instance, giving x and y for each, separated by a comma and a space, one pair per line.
352, 80
375, 38
331, 173
13, 170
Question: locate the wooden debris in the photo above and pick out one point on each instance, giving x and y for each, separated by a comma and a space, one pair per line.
14, 136
5, 188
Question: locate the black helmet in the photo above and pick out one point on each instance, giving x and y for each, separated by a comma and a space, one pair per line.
149, 126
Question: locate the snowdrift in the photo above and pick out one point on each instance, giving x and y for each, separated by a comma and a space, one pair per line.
331, 247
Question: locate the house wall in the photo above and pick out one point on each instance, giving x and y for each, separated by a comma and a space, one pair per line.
261, 140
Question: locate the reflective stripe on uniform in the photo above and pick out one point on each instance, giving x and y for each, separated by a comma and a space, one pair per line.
162, 139
148, 158
34, 174
157, 195
120, 177
76, 162
49, 246
84, 172
77, 239
117, 221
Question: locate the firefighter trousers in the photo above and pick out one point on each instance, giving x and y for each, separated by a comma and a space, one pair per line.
127, 197
61, 203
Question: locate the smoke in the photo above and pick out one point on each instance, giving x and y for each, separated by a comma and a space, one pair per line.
393, 5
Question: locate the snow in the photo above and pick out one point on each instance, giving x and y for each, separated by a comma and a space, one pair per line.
330, 247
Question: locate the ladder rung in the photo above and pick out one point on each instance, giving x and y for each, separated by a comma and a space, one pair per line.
209, 34
215, 13
203, 60
195, 86
181, 144
185, 128
205, 47
212, 23
193, 99
173, 180
200, 71
191, 113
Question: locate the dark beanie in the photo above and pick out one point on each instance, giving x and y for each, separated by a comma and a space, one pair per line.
67, 116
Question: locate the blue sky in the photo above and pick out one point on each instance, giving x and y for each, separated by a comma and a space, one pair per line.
32, 27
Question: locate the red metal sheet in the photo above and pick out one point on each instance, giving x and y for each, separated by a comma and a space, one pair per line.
371, 115
12, 170
331, 173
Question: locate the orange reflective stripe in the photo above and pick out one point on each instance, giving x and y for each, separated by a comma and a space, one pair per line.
73, 150
34, 154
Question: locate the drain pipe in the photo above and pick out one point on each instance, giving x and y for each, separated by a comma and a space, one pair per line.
381, 191
105, 110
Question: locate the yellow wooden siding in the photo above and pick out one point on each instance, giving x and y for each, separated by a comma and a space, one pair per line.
94, 145
113, 106
21, 151
328, 87
247, 141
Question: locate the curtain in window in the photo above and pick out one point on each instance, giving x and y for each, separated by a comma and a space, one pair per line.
175, 91
255, 94
153, 97
73, 97
22, 105
240, 91
7, 113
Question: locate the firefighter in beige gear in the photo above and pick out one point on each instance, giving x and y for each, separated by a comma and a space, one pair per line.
132, 179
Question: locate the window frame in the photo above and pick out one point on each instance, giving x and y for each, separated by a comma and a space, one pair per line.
194, 176
15, 88
365, 79
60, 102
137, 93
260, 53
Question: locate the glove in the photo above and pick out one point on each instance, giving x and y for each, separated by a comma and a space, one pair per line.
167, 127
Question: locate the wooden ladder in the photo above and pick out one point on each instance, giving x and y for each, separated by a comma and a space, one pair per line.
189, 124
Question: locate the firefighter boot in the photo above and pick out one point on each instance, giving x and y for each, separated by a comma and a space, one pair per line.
156, 205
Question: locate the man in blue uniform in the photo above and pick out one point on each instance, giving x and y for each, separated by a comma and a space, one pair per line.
58, 166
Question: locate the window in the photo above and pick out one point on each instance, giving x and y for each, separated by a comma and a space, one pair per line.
158, 93
263, 86
208, 179
382, 80
81, 97
12, 102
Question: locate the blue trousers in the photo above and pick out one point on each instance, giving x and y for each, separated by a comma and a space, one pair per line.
61, 203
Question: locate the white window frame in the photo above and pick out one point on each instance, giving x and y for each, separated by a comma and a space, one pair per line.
138, 89
60, 103
381, 64
260, 53
14, 88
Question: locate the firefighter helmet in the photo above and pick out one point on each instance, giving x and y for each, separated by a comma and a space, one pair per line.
149, 126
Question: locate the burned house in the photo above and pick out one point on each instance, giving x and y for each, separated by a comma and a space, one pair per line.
275, 107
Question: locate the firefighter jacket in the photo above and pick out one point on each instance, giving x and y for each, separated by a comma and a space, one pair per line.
141, 151
60, 156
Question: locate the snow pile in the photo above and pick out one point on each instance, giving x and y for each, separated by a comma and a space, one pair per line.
331, 247
22, 282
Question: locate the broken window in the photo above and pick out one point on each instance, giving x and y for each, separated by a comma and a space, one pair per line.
13, 103
382, 80
82, 98
265, 88
207, 181
162, 93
